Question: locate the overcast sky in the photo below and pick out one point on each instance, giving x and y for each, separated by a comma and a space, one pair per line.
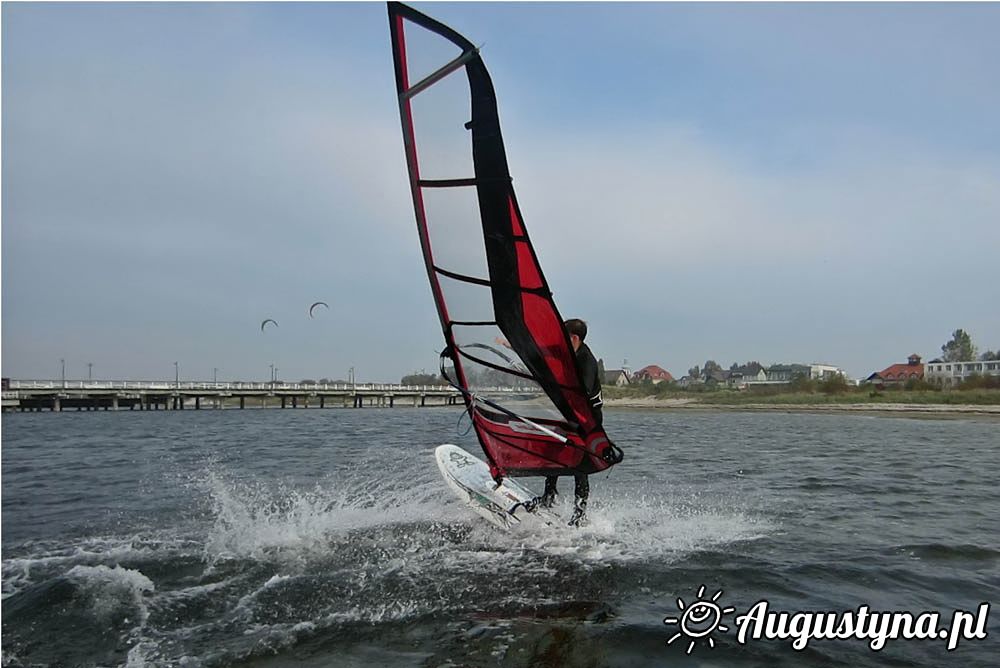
782, 183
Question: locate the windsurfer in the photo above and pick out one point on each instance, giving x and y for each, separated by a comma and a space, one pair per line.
591, 378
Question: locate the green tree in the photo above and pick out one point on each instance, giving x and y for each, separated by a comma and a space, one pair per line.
990, 356
710, 366
802, 383
694, 372
960, 348
600, 370
421, 379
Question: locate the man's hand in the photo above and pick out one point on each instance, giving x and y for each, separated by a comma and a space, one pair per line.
612, 454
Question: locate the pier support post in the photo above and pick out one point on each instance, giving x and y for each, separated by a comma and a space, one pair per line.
114, 403
242, 403
295, 402
197, 403
282, 402
56, 405
322, 401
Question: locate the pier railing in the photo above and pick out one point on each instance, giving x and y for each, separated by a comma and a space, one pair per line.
209, 386
58, 395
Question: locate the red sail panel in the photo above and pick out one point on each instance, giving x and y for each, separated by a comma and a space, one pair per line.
511, 354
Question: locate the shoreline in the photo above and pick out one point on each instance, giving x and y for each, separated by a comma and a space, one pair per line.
890, 408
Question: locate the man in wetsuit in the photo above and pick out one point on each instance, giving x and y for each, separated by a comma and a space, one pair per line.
591, 379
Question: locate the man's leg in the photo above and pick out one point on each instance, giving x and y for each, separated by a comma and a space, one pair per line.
582, 493
549, 495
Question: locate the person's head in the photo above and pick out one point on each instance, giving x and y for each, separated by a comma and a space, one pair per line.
577, 331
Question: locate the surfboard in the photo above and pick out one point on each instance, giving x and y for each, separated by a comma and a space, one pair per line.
470, 479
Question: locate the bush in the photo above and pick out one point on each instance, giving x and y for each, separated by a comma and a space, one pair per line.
921, 385
977, 382
802, 383
835, 384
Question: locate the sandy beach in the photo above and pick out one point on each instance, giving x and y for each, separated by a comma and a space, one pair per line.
688, 403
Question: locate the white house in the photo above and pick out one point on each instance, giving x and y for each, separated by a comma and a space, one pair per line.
952, 373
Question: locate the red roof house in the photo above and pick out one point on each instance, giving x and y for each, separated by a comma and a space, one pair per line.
654, 373
900, 373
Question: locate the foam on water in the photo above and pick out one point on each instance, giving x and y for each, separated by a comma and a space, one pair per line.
279, 564
261, 540
112, 589
253, 520
47, 559
257, 521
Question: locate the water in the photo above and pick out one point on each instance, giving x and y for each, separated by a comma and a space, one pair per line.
316, 538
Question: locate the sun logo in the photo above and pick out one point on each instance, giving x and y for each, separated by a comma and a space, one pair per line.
699, 619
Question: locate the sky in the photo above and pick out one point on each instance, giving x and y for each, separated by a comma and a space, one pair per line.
771, 182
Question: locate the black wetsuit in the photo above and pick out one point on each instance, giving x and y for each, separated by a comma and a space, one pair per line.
590, 375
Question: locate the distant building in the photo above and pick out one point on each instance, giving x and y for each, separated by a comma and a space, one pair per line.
898, 374
688, 381
952, 373
616, 377
715, 377
824, 371
741, 378
653, 373
786, 373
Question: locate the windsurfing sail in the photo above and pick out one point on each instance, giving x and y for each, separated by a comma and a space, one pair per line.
506, 347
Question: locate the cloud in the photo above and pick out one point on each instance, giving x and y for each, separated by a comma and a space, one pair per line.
780, 199
705, 253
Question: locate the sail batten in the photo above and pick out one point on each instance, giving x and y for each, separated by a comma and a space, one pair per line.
487, 283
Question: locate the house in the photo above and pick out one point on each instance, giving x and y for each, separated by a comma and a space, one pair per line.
616, 377
741, 377
898, 374
824, 371
786, 373
688, 381
715, 377
653, 373
952, 373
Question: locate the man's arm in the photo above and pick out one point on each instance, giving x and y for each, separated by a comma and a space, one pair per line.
590, 375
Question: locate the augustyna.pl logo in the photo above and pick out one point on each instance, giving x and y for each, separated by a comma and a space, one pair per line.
704, 616
699, 619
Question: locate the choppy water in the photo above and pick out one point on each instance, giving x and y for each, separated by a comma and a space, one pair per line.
309, 537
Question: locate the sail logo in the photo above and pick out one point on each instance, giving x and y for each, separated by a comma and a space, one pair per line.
704, 616
459, 460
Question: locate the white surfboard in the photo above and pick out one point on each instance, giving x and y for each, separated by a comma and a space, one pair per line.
470, 477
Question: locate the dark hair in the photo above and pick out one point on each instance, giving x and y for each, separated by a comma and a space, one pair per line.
576, 326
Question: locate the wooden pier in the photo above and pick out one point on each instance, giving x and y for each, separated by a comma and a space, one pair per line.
47, 395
